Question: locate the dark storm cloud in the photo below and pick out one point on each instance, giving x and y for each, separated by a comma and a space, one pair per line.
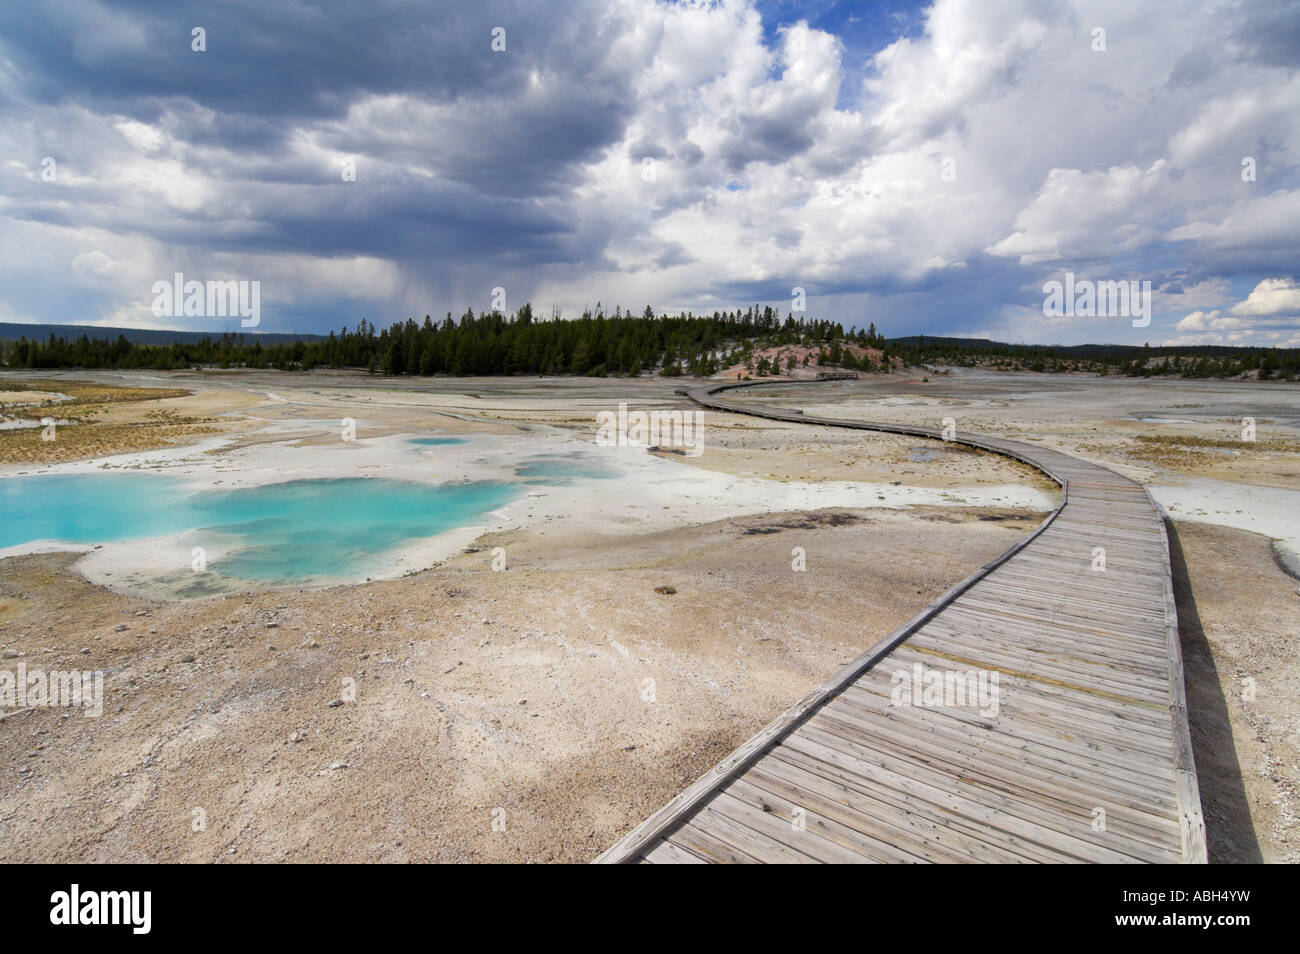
409, 84
773, 139
690, 153
1269, 31
282, 60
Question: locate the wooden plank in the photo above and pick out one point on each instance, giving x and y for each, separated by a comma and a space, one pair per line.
819, 837
966, 627
719, 818
871, 798
825, 798
1064, 744
985, 811
1105, 682
1051, 806
1144, 806
667, 853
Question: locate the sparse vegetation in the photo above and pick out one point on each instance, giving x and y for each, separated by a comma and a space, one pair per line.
98, 418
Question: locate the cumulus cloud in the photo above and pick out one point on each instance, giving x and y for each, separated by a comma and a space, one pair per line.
1270, 315
1209, 321
1195, 321
1080, 214
1272, 297
382, 159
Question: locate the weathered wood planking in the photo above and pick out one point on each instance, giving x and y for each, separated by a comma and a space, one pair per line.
1086, 758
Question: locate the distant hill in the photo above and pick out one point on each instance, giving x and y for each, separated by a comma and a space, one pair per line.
912, 341
139, 336
987, 344
1191, 361
1093, 351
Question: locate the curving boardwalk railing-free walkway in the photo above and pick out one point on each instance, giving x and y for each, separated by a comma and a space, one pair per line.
1084, 757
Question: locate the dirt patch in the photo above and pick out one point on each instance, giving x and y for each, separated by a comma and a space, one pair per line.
1240, 621
458, 714
811, 521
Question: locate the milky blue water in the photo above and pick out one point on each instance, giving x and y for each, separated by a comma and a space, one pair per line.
438, 441
276, 532
562, 469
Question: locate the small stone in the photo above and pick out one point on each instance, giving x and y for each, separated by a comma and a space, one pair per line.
85, 651
10, 654
296, 736
272, 625
120, 627
335, 766
334, 704
187, 658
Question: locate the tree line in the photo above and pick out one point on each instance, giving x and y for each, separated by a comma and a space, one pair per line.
1188, 361
488, 343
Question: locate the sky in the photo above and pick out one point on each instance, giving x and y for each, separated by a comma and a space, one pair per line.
925, 167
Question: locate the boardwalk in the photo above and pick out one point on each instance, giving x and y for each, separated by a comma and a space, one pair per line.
1087, 757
